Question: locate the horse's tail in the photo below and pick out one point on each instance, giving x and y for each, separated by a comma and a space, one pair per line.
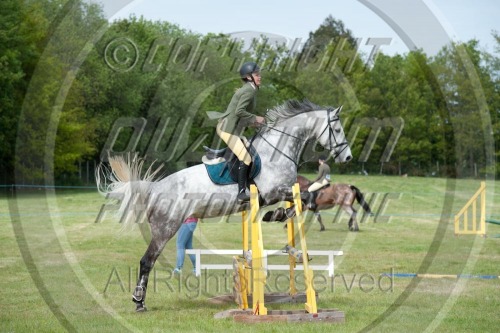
122, 180
361, 199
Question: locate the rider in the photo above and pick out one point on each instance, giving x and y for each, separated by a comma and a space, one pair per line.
323, 175
237, 116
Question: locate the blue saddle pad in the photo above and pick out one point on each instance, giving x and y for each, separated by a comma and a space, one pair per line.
221, 173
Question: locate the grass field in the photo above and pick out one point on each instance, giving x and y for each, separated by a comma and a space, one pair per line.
62, 271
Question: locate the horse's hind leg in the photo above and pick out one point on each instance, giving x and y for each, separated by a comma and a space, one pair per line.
158, 241
318, 217
353, 224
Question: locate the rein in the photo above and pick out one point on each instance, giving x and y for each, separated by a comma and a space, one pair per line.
276, 148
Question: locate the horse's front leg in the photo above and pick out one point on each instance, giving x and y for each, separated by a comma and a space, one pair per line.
278, 194
279, 215
281, 193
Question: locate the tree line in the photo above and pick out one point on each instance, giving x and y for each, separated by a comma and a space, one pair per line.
73, 84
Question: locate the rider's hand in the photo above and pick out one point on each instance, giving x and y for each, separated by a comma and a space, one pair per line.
260, 120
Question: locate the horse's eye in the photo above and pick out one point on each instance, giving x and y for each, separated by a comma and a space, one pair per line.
337, 130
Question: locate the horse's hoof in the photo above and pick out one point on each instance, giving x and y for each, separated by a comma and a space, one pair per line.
267, 216
322, 229
140, 308
278, 214
138, 295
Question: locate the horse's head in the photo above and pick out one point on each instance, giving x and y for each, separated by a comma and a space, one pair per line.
305, 121
329, 132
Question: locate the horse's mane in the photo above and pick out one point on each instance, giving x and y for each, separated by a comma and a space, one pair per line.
290, 108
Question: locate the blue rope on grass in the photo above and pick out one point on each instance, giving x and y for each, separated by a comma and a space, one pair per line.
438, 276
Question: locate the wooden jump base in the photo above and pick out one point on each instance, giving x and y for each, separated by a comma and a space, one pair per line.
250, 279
247, 316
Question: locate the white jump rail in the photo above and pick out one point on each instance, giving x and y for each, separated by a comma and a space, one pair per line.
330, 267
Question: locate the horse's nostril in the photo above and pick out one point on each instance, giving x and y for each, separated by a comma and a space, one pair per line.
348, 158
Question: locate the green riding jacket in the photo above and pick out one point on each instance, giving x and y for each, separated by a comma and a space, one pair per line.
323, 172
238, 113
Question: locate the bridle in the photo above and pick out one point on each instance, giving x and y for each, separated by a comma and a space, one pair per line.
330, 135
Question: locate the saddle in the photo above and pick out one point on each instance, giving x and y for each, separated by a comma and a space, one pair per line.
222, 165
310, 199
215, 156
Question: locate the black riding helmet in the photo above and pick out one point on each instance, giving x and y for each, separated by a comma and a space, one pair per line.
248, 68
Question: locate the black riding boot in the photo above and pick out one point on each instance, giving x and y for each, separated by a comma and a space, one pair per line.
242, 181
309, 198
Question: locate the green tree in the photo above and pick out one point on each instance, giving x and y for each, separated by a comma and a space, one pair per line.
467, 88
49, 139
11, 81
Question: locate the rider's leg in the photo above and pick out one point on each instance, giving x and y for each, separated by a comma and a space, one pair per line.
317, 185
242, 182
238, 148
310, 200
311, 204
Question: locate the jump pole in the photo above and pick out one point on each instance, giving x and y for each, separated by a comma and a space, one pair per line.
310, 304
243, 267
258, 271
291, 259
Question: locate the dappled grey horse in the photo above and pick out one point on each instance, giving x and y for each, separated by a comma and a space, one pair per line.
190, 192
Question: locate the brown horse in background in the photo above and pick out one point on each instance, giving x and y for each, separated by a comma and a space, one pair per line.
327, 197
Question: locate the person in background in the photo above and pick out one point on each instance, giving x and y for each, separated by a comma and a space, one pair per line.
323, 177
185, 241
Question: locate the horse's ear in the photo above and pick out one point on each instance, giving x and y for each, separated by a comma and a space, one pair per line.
336, 111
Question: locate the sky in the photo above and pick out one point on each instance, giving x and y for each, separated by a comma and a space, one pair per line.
395, 26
